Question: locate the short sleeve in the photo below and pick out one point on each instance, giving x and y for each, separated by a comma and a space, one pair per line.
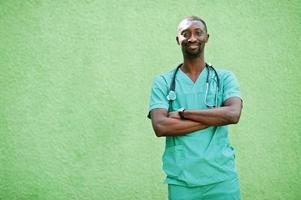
231, 87
158, 95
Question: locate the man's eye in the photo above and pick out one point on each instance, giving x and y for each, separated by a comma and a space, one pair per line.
199, 33
185, 34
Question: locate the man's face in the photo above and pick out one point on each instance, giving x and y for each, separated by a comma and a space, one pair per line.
192, 36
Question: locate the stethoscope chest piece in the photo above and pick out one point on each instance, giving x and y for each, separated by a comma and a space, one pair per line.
171, 96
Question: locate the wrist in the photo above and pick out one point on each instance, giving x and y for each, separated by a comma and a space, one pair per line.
181, 113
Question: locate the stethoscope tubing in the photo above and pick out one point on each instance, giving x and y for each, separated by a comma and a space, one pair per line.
172, 94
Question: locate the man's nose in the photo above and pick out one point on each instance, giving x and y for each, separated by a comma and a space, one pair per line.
192, 38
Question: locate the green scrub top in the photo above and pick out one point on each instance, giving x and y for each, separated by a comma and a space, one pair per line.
200, 157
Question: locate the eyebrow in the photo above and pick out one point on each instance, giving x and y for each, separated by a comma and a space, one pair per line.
198, 29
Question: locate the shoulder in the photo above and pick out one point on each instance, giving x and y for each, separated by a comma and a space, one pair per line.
164, 77
222, 71
225, 73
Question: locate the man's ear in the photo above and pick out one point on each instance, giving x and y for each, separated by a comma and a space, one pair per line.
177, 38
207, 37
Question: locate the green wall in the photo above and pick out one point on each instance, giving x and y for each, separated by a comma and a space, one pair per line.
74, 86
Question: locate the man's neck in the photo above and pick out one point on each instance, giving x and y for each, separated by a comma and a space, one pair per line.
193, 66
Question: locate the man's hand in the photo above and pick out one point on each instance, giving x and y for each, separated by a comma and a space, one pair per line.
229, 113
169, 124
174, 114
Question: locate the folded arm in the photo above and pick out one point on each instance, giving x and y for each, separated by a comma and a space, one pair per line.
229, 113
165, 125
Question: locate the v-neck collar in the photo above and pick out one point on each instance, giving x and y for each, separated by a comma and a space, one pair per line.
188, 79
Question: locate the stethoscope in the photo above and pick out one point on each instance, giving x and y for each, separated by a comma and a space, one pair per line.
172, 94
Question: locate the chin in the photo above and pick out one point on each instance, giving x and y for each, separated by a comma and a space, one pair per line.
193, 54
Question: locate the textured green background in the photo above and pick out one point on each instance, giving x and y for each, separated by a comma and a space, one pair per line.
75, 80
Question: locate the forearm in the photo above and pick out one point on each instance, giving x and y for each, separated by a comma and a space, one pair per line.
175, 127
214, 117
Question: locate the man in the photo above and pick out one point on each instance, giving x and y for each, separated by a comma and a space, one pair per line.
191, 106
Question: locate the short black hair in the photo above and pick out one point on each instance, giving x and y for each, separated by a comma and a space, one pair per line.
195, 18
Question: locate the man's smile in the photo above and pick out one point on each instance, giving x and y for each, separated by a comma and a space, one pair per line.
193, 46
